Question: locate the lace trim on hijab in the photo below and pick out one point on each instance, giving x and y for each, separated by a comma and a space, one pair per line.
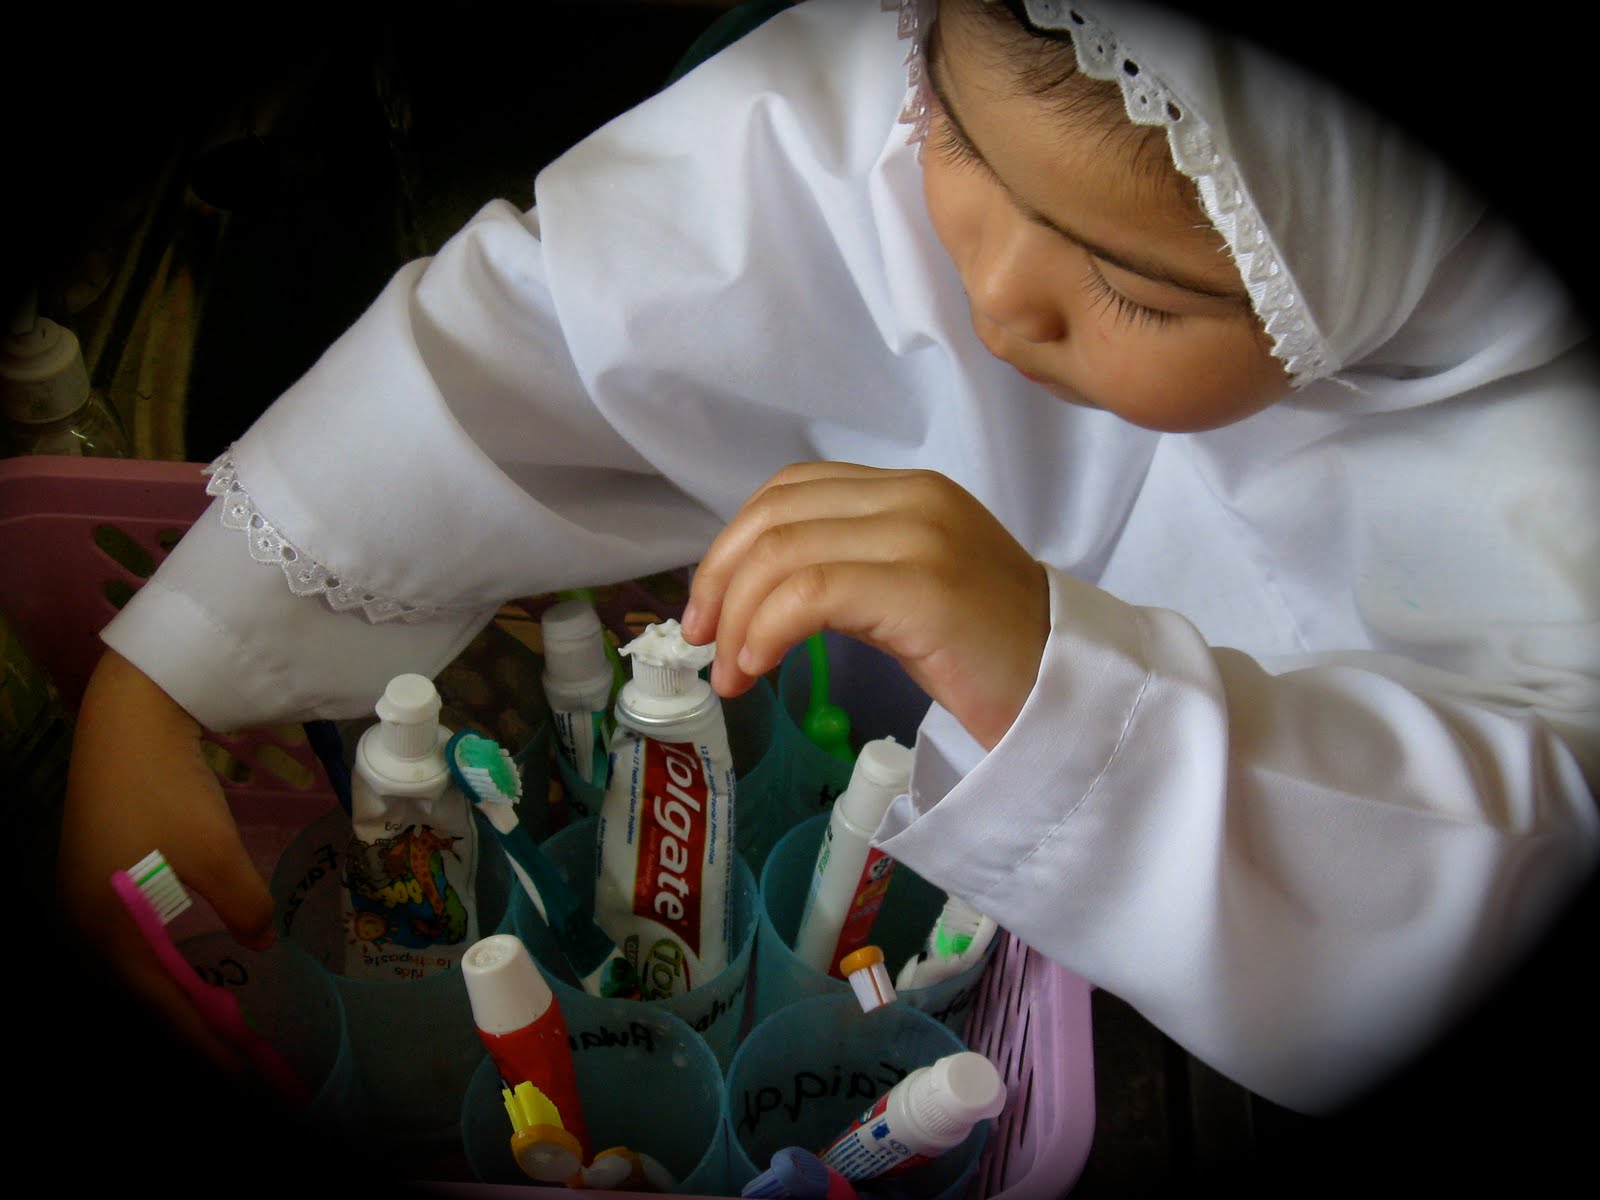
1297, 342
306, 576
913, 27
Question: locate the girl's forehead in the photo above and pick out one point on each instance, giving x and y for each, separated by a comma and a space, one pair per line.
1082, 168
1128, 51
998, 56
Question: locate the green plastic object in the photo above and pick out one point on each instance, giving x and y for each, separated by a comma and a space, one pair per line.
825, 723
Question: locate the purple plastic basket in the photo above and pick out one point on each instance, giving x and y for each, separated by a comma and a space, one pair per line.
79, 535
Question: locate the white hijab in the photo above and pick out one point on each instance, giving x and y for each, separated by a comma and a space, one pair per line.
1369, 261
542, 394
1390, 289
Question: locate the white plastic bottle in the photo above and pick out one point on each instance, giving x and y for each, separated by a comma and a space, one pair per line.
46, 401
408, 903
927, 1113
577, 684
666, 844
851, 875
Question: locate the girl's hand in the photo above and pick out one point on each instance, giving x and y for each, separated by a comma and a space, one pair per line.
139, 782
906, 561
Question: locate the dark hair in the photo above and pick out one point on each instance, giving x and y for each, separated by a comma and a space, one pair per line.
1044, 64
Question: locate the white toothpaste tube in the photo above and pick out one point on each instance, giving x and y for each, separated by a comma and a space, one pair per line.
577, 684
666, 838
851, 876
408, 901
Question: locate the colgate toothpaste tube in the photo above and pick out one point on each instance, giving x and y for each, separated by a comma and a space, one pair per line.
665, 855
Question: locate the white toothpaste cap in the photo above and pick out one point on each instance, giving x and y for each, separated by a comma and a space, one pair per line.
504, 986
409, 712
882, 771
955, 1093
574, 644
664, 663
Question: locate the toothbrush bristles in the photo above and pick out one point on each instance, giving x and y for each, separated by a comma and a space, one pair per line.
160, 886
490, 768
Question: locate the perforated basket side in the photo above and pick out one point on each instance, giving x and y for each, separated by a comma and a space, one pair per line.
1032, 1020
78, 536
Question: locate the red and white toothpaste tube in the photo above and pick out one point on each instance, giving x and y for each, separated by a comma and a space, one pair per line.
522, 1027
850, 877
929, 1112
665, 861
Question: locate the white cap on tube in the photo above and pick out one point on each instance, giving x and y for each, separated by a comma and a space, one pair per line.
954, 1094
504, 986
666, 670
882, 772
574, 645
409, 711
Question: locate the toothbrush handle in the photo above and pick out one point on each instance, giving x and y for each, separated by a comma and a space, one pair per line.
216, 1004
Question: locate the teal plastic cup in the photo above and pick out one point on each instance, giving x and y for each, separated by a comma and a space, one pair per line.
873, 689
715, 1009
413, 1042
806, 1073
290, 1001
646, 1082
910, 907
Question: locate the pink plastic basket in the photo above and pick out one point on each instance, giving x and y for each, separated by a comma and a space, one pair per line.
77, 536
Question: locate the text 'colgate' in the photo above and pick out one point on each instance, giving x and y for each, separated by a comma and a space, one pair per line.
672, 839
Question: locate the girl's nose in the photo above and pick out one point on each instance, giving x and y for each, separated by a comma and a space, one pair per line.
1009, 280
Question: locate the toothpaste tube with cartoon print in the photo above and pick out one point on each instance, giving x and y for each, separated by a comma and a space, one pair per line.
411, 865
665, 855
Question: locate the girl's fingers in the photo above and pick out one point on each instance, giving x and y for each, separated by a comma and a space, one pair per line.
139, 782
803, 491
881, 603
974, 651
907, 561
224, 875
789, 556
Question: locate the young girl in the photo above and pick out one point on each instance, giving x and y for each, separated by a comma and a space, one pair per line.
1208, 453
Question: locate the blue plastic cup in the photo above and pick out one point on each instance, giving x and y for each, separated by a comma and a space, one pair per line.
909, 910
874, 689
414, 1042
646, 1081
292, 1003
804, 1074
715, 1009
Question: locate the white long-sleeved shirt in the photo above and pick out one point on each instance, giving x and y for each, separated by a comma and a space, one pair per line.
1304, 764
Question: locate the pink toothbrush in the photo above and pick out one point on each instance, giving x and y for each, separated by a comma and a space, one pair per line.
153, 895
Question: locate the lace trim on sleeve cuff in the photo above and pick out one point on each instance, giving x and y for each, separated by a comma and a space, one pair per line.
305, 576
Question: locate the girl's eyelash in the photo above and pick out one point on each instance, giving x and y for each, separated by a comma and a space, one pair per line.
1123, 309
948, 141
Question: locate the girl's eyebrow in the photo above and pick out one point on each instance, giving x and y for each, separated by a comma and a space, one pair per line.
1156, 272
